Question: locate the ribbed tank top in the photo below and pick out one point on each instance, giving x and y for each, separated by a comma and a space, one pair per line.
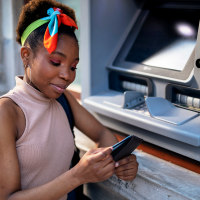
46, 147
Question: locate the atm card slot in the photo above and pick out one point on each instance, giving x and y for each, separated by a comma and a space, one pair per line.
184, 97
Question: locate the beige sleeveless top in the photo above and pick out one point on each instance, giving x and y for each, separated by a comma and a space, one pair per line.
46, 147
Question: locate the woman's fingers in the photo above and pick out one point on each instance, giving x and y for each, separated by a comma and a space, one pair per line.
127, 178
127, 168
100, 153
128, 159
104, 170
130, 165
128, 174
96, 165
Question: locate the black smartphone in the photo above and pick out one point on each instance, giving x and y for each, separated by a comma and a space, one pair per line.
125, 147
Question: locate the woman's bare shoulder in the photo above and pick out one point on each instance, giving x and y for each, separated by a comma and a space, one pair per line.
8, 115
7, 107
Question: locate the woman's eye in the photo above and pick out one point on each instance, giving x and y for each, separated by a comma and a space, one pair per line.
55, 63
73, 68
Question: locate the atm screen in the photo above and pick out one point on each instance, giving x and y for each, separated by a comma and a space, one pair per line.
159, 44
166, 39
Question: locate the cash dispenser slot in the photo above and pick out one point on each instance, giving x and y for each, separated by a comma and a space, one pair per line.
123, 82
184, 97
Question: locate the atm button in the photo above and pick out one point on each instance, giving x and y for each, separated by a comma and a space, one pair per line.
198, 63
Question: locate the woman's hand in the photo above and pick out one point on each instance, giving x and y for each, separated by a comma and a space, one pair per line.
126, 168
96, 165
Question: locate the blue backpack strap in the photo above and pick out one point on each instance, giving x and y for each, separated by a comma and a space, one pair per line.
77, 193
65, 104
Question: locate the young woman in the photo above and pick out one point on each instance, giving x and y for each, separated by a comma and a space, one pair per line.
36, 142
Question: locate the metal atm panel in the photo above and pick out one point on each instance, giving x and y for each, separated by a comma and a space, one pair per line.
157, 56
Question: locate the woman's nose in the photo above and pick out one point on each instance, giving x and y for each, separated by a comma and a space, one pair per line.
65, 74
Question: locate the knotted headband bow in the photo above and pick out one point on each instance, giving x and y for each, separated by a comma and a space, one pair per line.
55, 18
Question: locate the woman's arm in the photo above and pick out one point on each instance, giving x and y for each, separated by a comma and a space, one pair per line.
10, 187
9, 167
85, 171
126, 168
88, 124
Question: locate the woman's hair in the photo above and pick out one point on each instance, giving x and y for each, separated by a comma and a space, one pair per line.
37, 9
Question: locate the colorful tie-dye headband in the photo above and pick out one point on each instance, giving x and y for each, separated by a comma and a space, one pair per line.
55, 18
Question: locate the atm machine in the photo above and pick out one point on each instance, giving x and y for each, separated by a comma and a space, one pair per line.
141, 69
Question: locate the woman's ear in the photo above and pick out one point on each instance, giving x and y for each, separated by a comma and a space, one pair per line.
25, 55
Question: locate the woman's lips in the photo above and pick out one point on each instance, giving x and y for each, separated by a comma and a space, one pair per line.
59, 88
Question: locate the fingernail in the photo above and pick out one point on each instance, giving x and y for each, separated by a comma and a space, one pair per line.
116, 164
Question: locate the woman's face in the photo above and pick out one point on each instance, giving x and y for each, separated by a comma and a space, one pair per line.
52, 73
